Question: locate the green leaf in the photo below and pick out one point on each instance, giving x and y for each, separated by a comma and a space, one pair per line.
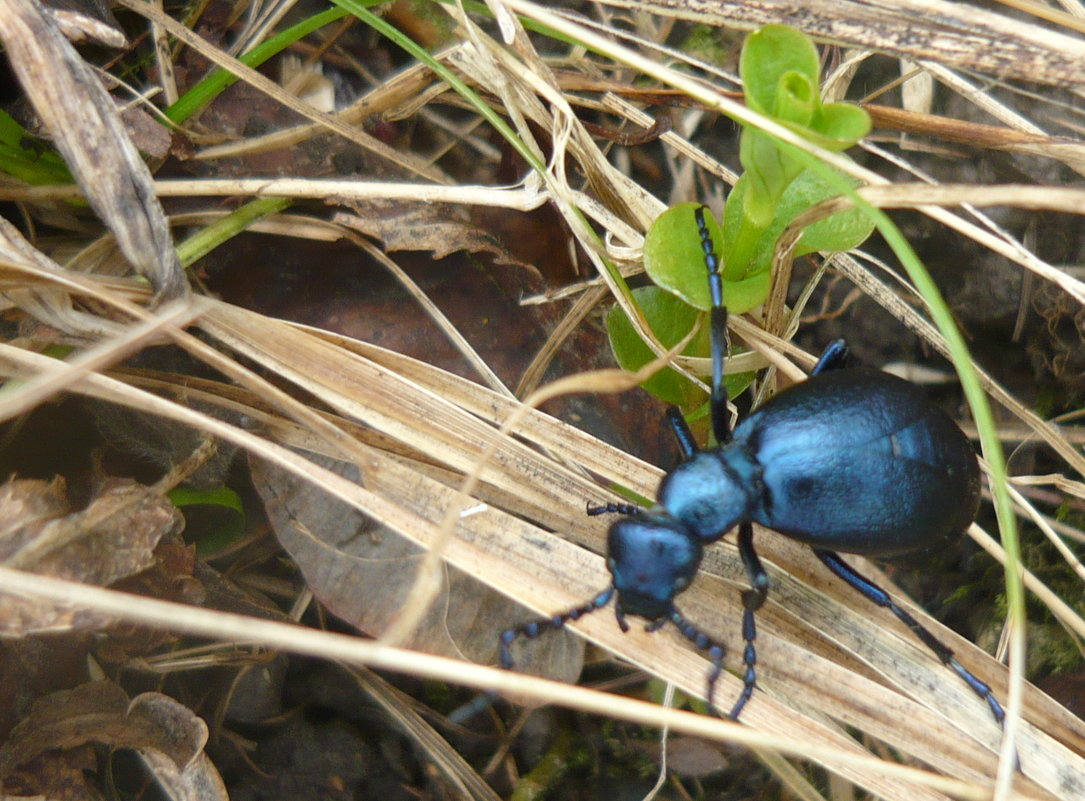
734, 219
26, 168
838, 126
748, 276
770, 171
837, 233
28, 158
797, 99
226, 228
842, 231
220, 511
670, 319
674, 261
11, 132
769, 55
780, 69
673, 257
219, 496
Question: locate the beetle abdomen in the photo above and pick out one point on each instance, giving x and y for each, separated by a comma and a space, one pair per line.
862, 462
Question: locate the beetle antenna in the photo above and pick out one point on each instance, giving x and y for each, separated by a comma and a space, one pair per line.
629, 509
534, 628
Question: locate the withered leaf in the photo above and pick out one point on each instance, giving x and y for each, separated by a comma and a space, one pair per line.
56, 775
112, 538
363, 574
437, 227
168, 736
87, 21
174, 751
83, 121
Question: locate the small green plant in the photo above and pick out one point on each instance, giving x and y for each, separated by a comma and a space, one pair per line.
779, 67
29, 159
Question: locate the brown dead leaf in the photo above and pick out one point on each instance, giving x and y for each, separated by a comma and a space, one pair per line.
57, 776
174, 751
437, 227
363, 573
168, 736
693, 757
112, 538
63, 720
148, 135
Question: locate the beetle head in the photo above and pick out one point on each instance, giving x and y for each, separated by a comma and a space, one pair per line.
652, 558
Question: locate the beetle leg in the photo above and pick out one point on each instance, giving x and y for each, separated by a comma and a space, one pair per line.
752, 600
534, 628
833, 357
704, 643
686, 443
881, 598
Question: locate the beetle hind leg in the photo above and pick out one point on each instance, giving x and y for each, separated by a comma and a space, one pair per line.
879, 596
686, 443
833, 357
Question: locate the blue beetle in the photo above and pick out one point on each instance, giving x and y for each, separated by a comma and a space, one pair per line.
852, 459
855, 460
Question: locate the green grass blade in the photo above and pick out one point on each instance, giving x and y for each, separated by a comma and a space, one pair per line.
210, 87
207, 239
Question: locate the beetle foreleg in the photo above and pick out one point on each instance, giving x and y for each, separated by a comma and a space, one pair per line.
704, 643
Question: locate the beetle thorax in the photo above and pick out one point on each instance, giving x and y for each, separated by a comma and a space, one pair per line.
713, 491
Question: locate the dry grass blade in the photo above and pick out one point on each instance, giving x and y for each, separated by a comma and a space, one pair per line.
86, 127
835, 674
962, 36
398, 706
545, 573
330, 121
110, 352
719, 605
294, 639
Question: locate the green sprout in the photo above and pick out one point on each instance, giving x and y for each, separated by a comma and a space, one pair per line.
780, 70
